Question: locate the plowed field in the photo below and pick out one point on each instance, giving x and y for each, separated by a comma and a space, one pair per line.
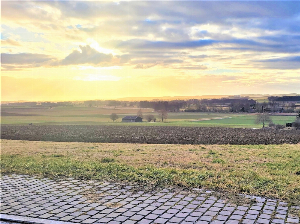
150, 134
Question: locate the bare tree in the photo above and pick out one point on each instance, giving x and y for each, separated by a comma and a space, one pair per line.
140, 113
114, 117
163, 114
263, 118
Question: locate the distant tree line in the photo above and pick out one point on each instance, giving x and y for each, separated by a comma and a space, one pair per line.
284, 104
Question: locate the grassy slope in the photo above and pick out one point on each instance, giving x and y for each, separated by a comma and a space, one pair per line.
267, 170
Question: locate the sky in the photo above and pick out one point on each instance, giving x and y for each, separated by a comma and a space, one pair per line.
87, 50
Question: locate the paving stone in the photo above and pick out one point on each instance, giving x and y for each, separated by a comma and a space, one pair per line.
130, 222
232, 222
150, 208
160, 220
279, 216
215, 209
137, 217
225, 213
265, 216
210, 213
121, 218
263, 221
169, 203
47, 215
282, 206
129, 214
268, 207
228, 208
66, 201
183, 203
83, 217
253, 212
100, 208
143, 205
258, 208
62, 214
93, 212
89, 220
222, 217
175, 220
201, 209
220, 205
202, 222
282, 212
114, 222
104, 220
217, 222
66, 218
191, 218
191, 206
186, 210
236, 217
268, 212
163, 207
144, 221
182, 215
179, 207
25, 213
113, 215
206, 218
151, 216
143, 212
239, 212
167, 215
107, 211
248, 221
250, 216
292, 220
206, 205
158, 212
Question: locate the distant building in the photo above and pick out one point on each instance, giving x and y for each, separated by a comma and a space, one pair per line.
132, 119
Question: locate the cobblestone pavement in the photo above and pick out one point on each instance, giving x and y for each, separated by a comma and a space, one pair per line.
78, 201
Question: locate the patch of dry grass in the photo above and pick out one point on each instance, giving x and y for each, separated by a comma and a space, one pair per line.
267, 170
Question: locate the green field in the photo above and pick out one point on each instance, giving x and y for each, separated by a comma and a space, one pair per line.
98, 116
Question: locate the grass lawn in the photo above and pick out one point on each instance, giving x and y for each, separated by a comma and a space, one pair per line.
265, 170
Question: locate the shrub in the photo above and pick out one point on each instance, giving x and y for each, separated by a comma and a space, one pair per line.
296, 124
107, 160
279, 126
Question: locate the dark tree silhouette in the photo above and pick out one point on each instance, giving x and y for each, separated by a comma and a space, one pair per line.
150, 117
114, 117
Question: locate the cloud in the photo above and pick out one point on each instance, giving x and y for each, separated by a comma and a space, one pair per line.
176, 35
85, 56
90, 56
23, 60
292, 62
195, 67
145, 66
144, 44
10, 42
